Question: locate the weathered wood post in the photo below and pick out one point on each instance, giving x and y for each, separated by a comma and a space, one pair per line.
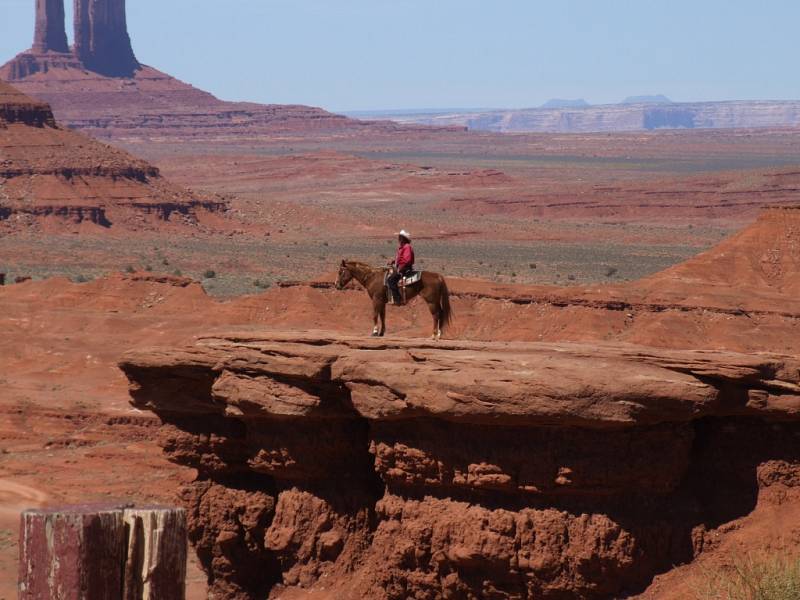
102, 553
155, 561
70, 553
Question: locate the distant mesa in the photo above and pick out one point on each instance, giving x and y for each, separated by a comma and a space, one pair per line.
657, 99
564, 103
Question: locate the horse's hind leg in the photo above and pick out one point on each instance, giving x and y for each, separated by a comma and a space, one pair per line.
382, 315
437, 321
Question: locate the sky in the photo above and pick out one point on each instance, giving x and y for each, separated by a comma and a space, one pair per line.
401, 54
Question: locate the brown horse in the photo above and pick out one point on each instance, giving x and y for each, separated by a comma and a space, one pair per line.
432, 288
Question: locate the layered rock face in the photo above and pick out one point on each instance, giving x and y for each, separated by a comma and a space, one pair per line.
400, 469
50, 34
102, 42
53, 176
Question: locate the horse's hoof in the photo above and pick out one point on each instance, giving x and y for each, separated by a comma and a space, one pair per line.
375, 334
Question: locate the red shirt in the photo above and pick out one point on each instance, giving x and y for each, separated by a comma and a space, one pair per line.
405, 257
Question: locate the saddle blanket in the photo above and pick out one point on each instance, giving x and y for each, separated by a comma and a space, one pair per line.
411, 279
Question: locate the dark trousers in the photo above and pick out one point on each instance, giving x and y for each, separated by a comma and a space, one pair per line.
393, 281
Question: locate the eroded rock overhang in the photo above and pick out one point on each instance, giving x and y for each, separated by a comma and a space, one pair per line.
522, 384
403, 468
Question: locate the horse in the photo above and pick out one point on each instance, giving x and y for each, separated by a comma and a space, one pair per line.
432, 288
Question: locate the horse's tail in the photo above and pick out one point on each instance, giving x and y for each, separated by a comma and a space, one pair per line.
446, 313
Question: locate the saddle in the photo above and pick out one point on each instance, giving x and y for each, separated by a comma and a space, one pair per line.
410, 279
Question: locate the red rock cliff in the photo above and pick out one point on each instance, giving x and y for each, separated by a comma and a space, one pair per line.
401, 469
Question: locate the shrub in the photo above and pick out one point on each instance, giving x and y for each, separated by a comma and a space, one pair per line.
611, 271
177, 273
532, 265
262, 284
148, 268
571, 277
209, 274
81, 278
130, 269
766, 577
164, 262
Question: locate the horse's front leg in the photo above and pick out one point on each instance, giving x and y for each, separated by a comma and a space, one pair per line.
376, 315
382, 313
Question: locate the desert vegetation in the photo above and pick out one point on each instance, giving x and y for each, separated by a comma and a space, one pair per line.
764, 576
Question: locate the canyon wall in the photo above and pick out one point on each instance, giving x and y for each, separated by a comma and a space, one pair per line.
393, 469
50, 35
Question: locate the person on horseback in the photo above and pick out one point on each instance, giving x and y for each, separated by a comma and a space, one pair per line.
403, 264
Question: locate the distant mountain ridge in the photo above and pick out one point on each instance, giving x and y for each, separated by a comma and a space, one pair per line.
638, 113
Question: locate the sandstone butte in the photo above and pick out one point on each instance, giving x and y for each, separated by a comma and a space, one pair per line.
100, 87
51, 177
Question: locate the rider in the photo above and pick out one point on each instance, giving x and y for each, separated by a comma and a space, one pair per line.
403, 263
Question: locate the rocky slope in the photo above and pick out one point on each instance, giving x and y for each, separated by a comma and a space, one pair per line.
372, 469
50, 176
150, 104
623, 117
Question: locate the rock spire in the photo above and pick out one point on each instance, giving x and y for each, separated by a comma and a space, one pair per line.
50, 34
102, 42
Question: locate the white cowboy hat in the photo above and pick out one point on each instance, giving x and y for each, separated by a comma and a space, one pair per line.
405, 234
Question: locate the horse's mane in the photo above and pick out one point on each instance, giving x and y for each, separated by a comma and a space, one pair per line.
361, 265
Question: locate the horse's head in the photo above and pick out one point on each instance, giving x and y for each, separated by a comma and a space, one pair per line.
345, 276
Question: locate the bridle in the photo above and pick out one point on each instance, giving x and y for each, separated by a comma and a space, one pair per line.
338, 283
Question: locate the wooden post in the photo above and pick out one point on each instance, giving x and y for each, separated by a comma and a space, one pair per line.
71, 553
155, 565
102, 553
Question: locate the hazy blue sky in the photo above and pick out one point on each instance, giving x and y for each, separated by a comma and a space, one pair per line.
366, 54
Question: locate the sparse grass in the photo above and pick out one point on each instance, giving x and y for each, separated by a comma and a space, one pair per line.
6, 538
244, 260
209, 274
753, 577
